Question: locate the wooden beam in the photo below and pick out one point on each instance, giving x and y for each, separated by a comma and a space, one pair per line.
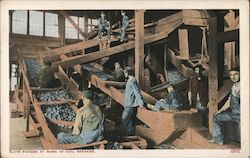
213, 71
24, 40
44, 25
228, 36
86, 58
28, 22
163, 26
139, 47
66, 15
61, 30
183, 43
86, 24
56, 102
10, 22
40, 117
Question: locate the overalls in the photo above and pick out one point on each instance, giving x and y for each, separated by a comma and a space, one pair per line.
232, 116
103, 26
125, 23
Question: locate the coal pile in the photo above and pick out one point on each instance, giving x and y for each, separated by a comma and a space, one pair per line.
175, 76
114, 146
59, 112
33, 68
96, 71
53, 95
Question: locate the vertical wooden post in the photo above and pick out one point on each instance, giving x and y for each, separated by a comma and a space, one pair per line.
213, 70
220, 51
183, 43
86, 24
61, 20
78, 26
230, 47
44, 25
139, 47
26, 103
10, 15
28, 22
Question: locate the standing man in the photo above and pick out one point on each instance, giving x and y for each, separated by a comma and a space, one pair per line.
88, 125
230, 111
133, 99
103, 26
124, 27
198, 91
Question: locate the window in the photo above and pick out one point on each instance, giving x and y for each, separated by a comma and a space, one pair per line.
51, 25
36, 23
70, 31
19, 22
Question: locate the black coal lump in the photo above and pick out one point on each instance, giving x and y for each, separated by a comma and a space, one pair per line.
53, 95
59, 112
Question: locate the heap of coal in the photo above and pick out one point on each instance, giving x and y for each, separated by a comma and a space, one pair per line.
59, 112
114, 146
33, 68
53, 95
96, 71
174, 76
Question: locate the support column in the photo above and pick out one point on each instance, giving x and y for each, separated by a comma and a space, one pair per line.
61, 20
139, 47
28, 22
26, 103
213, 71
44, 25
183, 43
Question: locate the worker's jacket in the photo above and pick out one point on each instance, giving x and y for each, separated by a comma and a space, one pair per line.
199, 86
119, 75
125, 21
103, 23
88, 126
173, 101
89, 123
133, 97
46, 77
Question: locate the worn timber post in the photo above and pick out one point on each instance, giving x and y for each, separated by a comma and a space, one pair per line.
26, 103
213, 70
139, 47
183, 43
61, 20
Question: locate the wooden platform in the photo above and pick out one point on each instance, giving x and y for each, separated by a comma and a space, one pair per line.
198, 138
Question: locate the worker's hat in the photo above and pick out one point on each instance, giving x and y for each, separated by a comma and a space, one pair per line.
235, 69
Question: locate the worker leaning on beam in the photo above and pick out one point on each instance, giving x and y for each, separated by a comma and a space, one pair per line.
118, 74
103, 26
133, 99
88, 125
45, 77
124, 27
172, 101
230, 111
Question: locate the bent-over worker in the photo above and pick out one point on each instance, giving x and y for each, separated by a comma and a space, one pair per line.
88, 125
